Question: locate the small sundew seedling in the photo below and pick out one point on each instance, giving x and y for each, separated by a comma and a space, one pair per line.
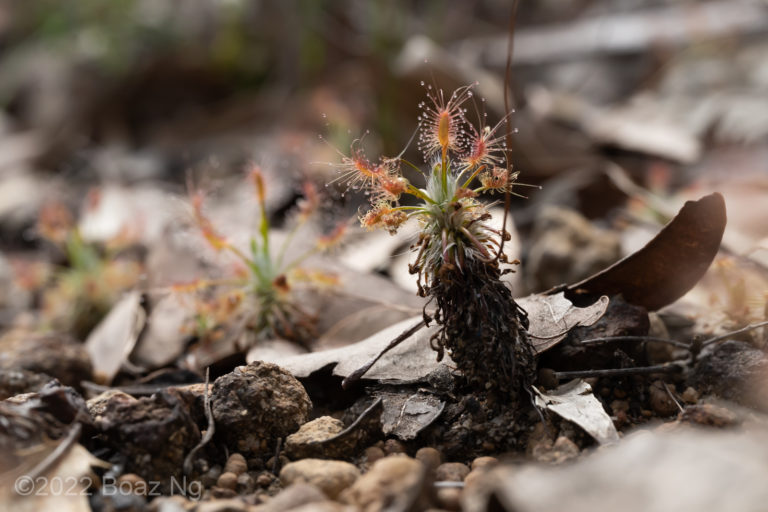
82, 291
458, 253
260, 296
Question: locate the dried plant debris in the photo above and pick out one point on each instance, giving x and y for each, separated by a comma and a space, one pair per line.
669, 265
55, 355
112, 341
575, 402
635, 128
405, 414
734, 370
38, 493
164, 338
411, 360
551, 316
149, 436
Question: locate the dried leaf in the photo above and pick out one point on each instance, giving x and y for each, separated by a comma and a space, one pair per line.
634, 127
669, 265
359, 325
551, 316
73, 472
618, 33
373, 250
411, 360
575, 402
110, 343
268, 350
164, 339
404, 415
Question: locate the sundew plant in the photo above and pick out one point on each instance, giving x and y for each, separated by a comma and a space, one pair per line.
83, 290
458, 253
261, 297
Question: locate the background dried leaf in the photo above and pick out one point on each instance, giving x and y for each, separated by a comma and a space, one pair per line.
110, 343
670, 264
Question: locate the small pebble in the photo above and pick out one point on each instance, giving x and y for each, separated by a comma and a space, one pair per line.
562, 449
256, 464
449, 499
373, 453
620, 419
245, 484
481, 462
282, 461
660, 400
330, 476
392, 480
227, 481
265, 479
430, 457
310, 440
292, 497
392, 446
225, 505
211, 476
619, 406
236, 464
451, 471
488, 446
690, 395
710, 415
475, 476
222, 493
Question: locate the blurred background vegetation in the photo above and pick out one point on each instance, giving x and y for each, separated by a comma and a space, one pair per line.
153, 95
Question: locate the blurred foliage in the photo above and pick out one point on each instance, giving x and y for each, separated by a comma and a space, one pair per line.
78, 294
261, 296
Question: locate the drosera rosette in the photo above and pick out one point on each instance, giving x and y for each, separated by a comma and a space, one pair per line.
80, 290
459, 255
260, 297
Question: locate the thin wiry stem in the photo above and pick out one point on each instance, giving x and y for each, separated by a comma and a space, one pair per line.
508, 111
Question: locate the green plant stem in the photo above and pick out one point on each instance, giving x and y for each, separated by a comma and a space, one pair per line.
301, 258
473, 176
264, 230
418, 193
444, 170
287, 242
408, 163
